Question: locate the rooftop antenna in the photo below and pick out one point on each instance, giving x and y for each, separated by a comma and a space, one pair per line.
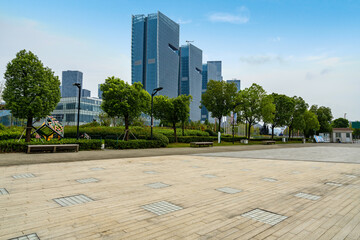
188, 42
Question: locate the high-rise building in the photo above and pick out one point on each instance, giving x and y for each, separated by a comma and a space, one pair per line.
68, 79
190, 80
237, 83
99, 92
210, 71
155, 53
85, 93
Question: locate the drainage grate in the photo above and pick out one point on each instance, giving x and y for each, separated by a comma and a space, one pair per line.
151, 172
264, 216
270, 179
87, 180
296, 172
227, 162
72, 200
186, 160
350, 176
209, 176
229, 190
245, 169
25, 175
157, 185
148, 164
160, 208
307, 196
32, 236
97, 169
3, 191
333, 184
195, 166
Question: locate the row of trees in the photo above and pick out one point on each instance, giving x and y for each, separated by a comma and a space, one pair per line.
253, 105
126, 101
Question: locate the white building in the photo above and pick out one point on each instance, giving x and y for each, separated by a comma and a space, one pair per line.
341, 135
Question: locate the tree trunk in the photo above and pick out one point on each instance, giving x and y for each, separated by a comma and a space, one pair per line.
220, 124
272, 132
246, 130
28, 129
182, 127
126, 119
174, 127
249, 131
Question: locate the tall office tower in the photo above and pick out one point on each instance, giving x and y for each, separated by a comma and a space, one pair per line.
85, 93
211, 71
190, 77
68, 79
237, 83
99, 92
155, 53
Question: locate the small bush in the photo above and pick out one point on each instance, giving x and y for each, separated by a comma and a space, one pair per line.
21, 146
132, 144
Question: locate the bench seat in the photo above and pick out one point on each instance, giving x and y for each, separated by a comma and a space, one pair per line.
53, 147
201, 144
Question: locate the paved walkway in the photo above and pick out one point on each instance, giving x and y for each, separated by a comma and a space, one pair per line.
182, 197
9, 159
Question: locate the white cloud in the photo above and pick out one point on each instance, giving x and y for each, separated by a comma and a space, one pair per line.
240, 17
181, 21
276, 39
263, 59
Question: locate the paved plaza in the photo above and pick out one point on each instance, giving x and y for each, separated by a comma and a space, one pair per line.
274, 193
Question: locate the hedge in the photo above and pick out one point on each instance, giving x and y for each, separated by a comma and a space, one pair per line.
132, 144
15, 146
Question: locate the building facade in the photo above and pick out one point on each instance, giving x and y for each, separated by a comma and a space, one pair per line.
210, 71
155, 53
99, 92
67, 86
237, 83
190, 80
66, 110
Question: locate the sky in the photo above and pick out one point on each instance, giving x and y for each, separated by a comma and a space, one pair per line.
303, 48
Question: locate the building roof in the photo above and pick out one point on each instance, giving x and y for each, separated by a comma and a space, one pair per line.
342, 130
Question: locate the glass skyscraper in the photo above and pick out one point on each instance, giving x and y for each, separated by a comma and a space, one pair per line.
190, 80
210, 71
68, 79
155, 53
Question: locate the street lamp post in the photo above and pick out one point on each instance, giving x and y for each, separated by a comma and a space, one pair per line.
78, 85
152, 104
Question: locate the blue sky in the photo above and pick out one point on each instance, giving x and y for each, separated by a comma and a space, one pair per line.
304, 48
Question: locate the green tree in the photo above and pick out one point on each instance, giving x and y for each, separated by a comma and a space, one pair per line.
311, 123
184, 112
284, 108
124, 101
172, 110
324, 116
254, 105
219, 98
340, 123
297, 120
31, 90
356, 133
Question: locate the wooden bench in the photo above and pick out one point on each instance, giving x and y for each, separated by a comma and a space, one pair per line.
201, 144
268, 142
53, 148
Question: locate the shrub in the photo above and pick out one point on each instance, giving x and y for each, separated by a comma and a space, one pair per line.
210, 132
21, 146
2, 127
132, 144
188, 139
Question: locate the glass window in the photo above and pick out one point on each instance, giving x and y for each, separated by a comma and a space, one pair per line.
338, 135
347, 135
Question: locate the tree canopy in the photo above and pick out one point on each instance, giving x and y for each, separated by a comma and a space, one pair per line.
123, 100
297, 120
219, 98
31, 90
255, 105
311, 123
172, 110
324, 116
340, 123
284, 109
